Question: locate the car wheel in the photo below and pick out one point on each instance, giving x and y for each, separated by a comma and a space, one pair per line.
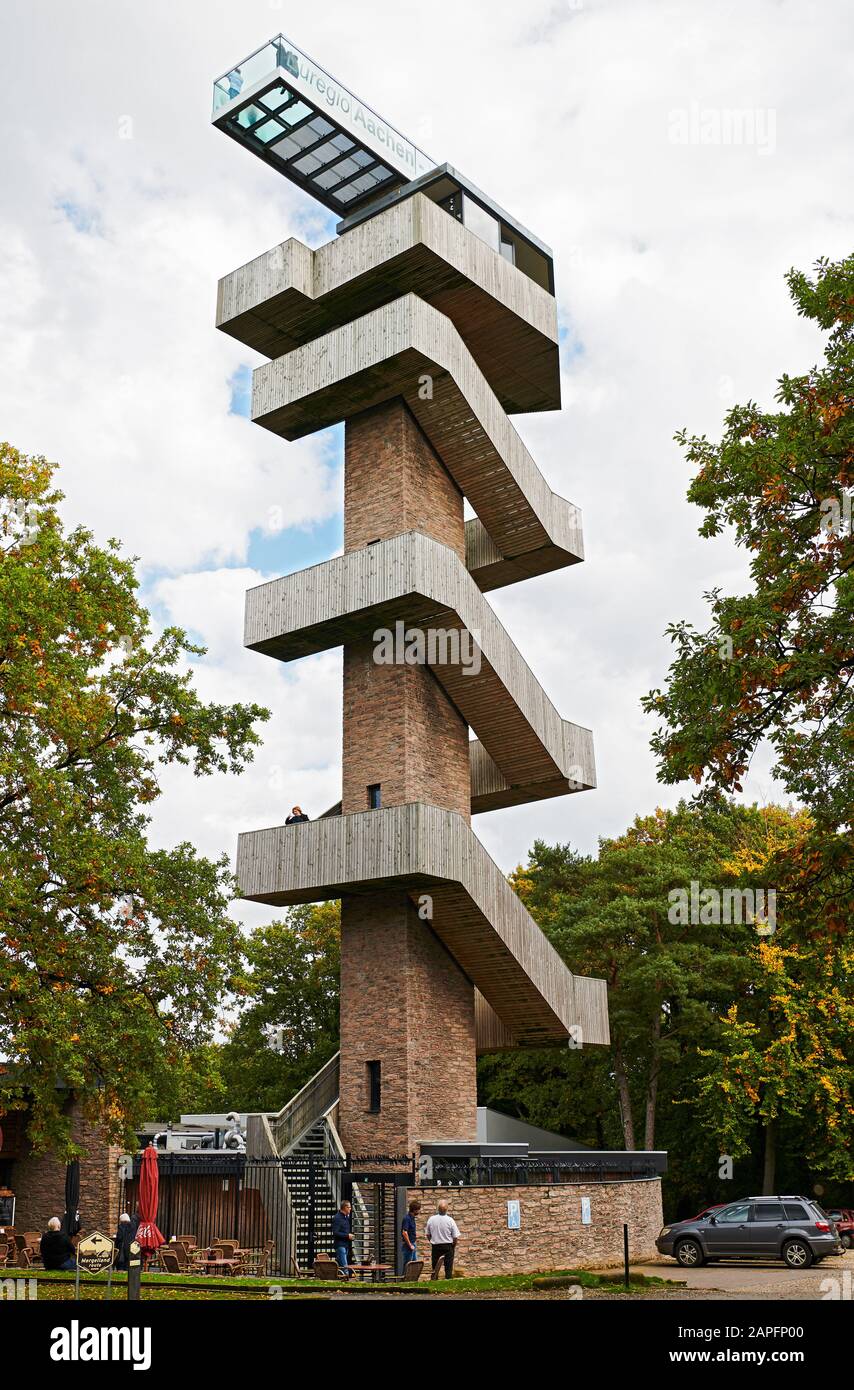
797, 1254
689, 1254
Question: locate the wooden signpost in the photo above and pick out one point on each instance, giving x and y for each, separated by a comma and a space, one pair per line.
134, 1270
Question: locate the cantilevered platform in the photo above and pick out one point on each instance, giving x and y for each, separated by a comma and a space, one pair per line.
475, 911
415, 580
491, 570
409, 349
292, 295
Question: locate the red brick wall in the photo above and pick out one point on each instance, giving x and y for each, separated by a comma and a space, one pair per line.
401, 731
394, 482
38, 1181
551, 1235
405, 1003
404, 1000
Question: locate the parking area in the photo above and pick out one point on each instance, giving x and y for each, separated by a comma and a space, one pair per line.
834, 1277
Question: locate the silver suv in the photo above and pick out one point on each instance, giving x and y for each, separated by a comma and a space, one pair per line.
793, 1229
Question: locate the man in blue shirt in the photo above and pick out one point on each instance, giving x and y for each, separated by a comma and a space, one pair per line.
342, 1236
408, 1234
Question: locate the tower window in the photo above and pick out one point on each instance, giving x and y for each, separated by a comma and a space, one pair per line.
374, 1087
375, 798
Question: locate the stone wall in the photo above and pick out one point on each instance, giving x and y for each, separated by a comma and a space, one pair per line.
38, 1182
551, 1235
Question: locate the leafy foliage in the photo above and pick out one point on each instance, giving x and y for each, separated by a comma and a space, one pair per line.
778, 661
113, 956
289, 1025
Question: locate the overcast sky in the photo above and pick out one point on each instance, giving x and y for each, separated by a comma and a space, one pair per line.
593, 123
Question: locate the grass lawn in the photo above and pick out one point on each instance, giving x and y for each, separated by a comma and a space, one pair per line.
59, 1286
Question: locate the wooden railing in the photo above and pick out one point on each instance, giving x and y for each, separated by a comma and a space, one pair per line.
307, 1106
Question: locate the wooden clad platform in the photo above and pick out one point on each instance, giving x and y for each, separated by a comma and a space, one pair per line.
409, 349
491, 570
291, 295
415, 580
474, 910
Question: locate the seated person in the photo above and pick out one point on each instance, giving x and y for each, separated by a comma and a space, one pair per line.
57, 1251
297, 814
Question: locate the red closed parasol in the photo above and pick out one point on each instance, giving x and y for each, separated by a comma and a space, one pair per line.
147, 1234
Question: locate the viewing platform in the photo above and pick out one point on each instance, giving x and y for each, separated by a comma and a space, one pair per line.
408, 349
475, 912
416, 581
291, 295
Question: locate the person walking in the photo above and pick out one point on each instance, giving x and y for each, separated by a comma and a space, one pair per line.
409, 1234
443, 1233
342, 1237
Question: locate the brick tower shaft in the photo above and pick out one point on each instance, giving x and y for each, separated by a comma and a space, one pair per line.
407, 1009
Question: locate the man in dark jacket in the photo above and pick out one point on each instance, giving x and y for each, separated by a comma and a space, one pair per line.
57, 1251
125, 1233
342, 1236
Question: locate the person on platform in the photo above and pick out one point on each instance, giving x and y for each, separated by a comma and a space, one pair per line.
297, 815
443, 1233
57, 1251
409, 1234
342, 1237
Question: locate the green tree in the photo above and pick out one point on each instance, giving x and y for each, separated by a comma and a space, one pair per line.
781, 1060
613, 917
288, 1026
776, 664
114, 957
777, 661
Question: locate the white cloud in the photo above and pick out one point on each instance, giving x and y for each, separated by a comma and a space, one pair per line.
669, 261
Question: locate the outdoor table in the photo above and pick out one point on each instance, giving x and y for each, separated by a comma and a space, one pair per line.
215, 1264
377, 1272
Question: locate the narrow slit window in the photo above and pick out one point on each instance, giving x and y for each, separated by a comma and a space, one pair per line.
375, 797
374, 1087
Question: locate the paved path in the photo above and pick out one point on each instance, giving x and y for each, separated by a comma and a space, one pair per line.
747, 1281
759, 1279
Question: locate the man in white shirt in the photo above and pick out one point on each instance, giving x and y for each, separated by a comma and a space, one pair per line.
443, 1233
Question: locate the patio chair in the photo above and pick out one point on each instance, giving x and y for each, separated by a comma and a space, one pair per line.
412, 1271
189, 1242
4, 1253
169, 1261
226, 1248
25, 1257
326, 1268
182, 1255
297, 1271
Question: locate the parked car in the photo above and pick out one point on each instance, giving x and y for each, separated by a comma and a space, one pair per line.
707, 1211
793, 1229
843, 1220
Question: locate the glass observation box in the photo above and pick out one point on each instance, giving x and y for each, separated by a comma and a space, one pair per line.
286, 109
